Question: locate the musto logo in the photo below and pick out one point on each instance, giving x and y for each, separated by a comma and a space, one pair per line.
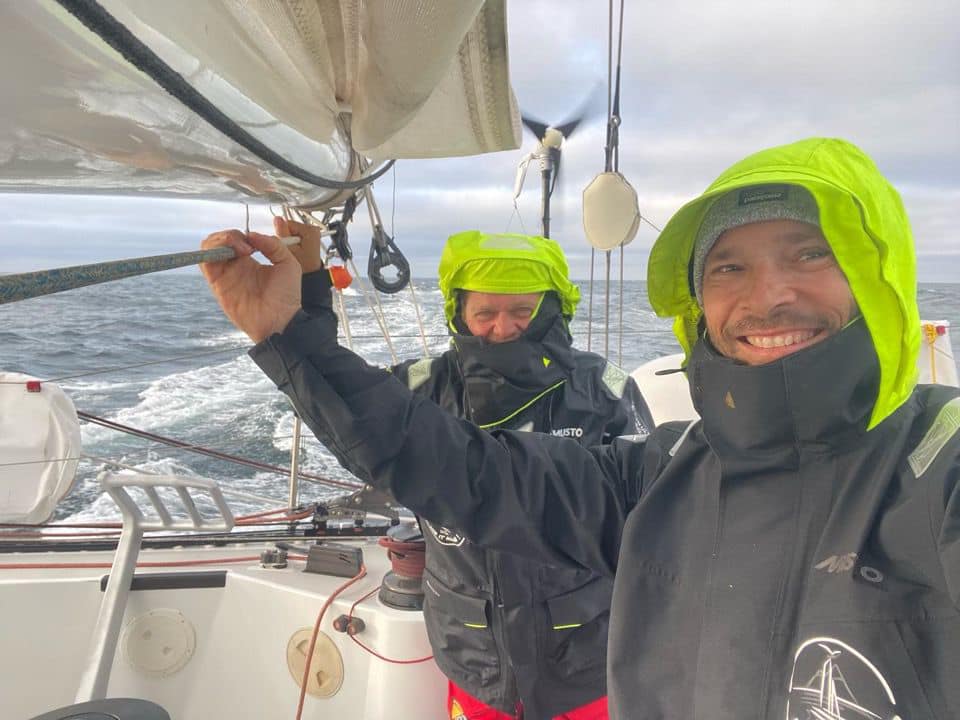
832, 681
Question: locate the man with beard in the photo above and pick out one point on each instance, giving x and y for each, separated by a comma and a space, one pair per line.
490, 615
793, 554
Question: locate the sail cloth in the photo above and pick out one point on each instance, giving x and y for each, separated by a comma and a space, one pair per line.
315, 81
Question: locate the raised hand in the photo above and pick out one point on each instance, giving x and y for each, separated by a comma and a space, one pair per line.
259, 299
309, 251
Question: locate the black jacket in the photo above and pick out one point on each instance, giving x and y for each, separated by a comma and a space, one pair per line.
504, 627
776, 561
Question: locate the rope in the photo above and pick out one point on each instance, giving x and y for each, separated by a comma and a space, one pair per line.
620, 336
316, 631
374, 652
606, 320
420, 325
344, 320
593, 254
377, 310
112, 425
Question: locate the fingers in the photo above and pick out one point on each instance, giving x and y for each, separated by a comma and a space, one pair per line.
271, 247
232, 238
309, 252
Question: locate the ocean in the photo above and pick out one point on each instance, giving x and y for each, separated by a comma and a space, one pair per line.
157, 354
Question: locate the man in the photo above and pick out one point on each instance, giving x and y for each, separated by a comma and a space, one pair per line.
507, 302
795, 554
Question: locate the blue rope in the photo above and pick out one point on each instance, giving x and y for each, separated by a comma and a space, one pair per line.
23, 286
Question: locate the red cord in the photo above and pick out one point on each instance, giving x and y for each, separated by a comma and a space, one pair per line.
316, 630
374, 652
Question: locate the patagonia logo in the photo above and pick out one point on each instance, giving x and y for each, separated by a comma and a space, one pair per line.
762, 194
568, 432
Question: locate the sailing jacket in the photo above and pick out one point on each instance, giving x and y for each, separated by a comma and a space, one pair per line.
503, 627
778, 561
796, 554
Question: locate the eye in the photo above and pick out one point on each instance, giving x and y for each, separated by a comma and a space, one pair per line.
523, 313
483, 316
724, 268
815, 253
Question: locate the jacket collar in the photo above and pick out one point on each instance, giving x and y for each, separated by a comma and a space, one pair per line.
501, 378
818, 398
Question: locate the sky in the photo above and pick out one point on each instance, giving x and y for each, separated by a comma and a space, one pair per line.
704, 84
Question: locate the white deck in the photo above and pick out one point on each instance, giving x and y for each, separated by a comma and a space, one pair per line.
239, 666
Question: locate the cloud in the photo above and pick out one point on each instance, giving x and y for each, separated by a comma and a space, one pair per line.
703, 85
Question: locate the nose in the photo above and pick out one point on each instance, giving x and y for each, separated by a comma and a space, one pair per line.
504, 328
770, 287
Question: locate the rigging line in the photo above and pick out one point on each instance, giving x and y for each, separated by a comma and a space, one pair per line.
620, 336
420, 325
593, 253
112, 425
344, 319
376, 311
610, 61
606, 321
616, 95
651, 224
108, 462
129, 367
393, 203
137, 365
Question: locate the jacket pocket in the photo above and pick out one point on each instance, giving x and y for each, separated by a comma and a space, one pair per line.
458, 626
578, 622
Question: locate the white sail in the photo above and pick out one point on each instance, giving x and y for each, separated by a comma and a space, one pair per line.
315, 82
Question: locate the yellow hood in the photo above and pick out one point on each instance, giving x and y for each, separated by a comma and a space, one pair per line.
863, 219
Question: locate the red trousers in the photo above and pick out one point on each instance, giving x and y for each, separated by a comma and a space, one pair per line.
463, 706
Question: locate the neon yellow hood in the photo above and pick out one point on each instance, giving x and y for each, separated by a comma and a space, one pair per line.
506, 263
864, 221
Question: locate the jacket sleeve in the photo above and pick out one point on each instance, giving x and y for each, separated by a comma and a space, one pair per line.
316, 291
546, 498
317, 295
948, 541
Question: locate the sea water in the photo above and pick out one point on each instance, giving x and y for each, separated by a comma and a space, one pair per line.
156, 353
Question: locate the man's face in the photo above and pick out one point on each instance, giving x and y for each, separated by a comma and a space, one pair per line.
496, 317
771, 289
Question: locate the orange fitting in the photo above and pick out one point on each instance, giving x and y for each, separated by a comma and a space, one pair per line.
340, 277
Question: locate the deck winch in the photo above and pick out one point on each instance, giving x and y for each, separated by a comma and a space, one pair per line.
402, 587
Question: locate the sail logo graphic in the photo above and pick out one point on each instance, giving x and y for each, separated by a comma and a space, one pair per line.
445, 536
833, 681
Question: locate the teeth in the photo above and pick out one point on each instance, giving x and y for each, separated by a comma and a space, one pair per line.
771, 341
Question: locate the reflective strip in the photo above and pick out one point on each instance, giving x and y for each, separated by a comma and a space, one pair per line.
943, 428
419, 372
615, 379
521, 408
567, 627
472, 625
679, 442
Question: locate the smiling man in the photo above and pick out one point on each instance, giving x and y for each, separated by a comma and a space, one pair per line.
794, 554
